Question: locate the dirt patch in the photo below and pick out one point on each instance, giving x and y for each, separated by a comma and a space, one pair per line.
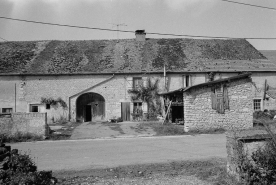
114, 126
62, 131
179, 172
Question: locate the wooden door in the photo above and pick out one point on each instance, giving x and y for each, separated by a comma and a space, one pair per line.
125, 111
97, 110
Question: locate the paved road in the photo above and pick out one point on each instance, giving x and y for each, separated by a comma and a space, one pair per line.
102, 153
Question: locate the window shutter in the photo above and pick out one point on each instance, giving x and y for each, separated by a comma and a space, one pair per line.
213, 98
145, 107
131, 107
225, 98
220, 101
220, 105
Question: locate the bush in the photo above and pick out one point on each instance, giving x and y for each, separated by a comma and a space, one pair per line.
260, 168
260, 115
20, 169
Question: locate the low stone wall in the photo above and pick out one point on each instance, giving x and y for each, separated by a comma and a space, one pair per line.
241, 142
33, 123
199, 115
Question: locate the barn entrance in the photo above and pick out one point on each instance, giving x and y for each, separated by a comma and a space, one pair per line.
90, 107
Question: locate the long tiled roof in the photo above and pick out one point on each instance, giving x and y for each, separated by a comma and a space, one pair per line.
130, 56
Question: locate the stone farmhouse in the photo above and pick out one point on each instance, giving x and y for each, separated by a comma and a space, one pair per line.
89, 80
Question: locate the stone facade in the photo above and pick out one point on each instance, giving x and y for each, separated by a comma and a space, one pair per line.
199, 115
25, 91
33, 123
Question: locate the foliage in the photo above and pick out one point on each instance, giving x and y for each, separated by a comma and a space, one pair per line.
260, 115
20, 137
54, 102
145, 93
20, 169
260, 168
148, 94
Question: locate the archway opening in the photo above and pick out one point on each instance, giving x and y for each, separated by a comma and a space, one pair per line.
90, 107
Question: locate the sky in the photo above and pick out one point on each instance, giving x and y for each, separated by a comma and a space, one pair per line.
189, 17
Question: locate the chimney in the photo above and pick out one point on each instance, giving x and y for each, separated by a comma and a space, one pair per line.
140, 35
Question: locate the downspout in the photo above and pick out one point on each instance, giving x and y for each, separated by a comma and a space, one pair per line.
15, 97
70, 97
165, 88
264, 96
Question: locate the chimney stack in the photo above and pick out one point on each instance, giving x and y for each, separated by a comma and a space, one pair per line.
140, 35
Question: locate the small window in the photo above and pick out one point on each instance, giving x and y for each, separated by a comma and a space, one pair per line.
257, 104
137, 82
137, 107
34, 108
48, 106
6, 110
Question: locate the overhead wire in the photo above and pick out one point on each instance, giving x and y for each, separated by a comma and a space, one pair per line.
126, 31
247, 4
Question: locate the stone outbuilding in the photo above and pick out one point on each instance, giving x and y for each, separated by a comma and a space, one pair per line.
225, 103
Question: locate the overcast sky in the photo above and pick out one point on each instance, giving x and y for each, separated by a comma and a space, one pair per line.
193, 17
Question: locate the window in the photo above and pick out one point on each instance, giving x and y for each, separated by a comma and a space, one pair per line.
257, 104
6, 110
48, 106
186, 81
137, 82
35, 107
137, 111
137, 107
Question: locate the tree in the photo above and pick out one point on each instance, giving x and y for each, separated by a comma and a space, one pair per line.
148, 94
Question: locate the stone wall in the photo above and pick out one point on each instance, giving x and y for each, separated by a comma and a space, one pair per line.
242, 142
34, 123
199, 115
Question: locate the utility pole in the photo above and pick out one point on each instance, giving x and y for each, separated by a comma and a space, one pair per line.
118, 26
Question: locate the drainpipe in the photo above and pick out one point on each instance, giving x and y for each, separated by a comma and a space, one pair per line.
15, 97
165, 77
69, 106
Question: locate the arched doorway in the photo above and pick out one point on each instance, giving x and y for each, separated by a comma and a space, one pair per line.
90, 106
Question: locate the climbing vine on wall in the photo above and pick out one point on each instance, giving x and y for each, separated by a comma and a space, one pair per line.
54, 102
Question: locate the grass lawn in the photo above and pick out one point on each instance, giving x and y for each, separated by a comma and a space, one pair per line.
168, 129
212, 171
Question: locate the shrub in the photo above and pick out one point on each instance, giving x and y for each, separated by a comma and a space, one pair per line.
20, 169
259, 168
260, 115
